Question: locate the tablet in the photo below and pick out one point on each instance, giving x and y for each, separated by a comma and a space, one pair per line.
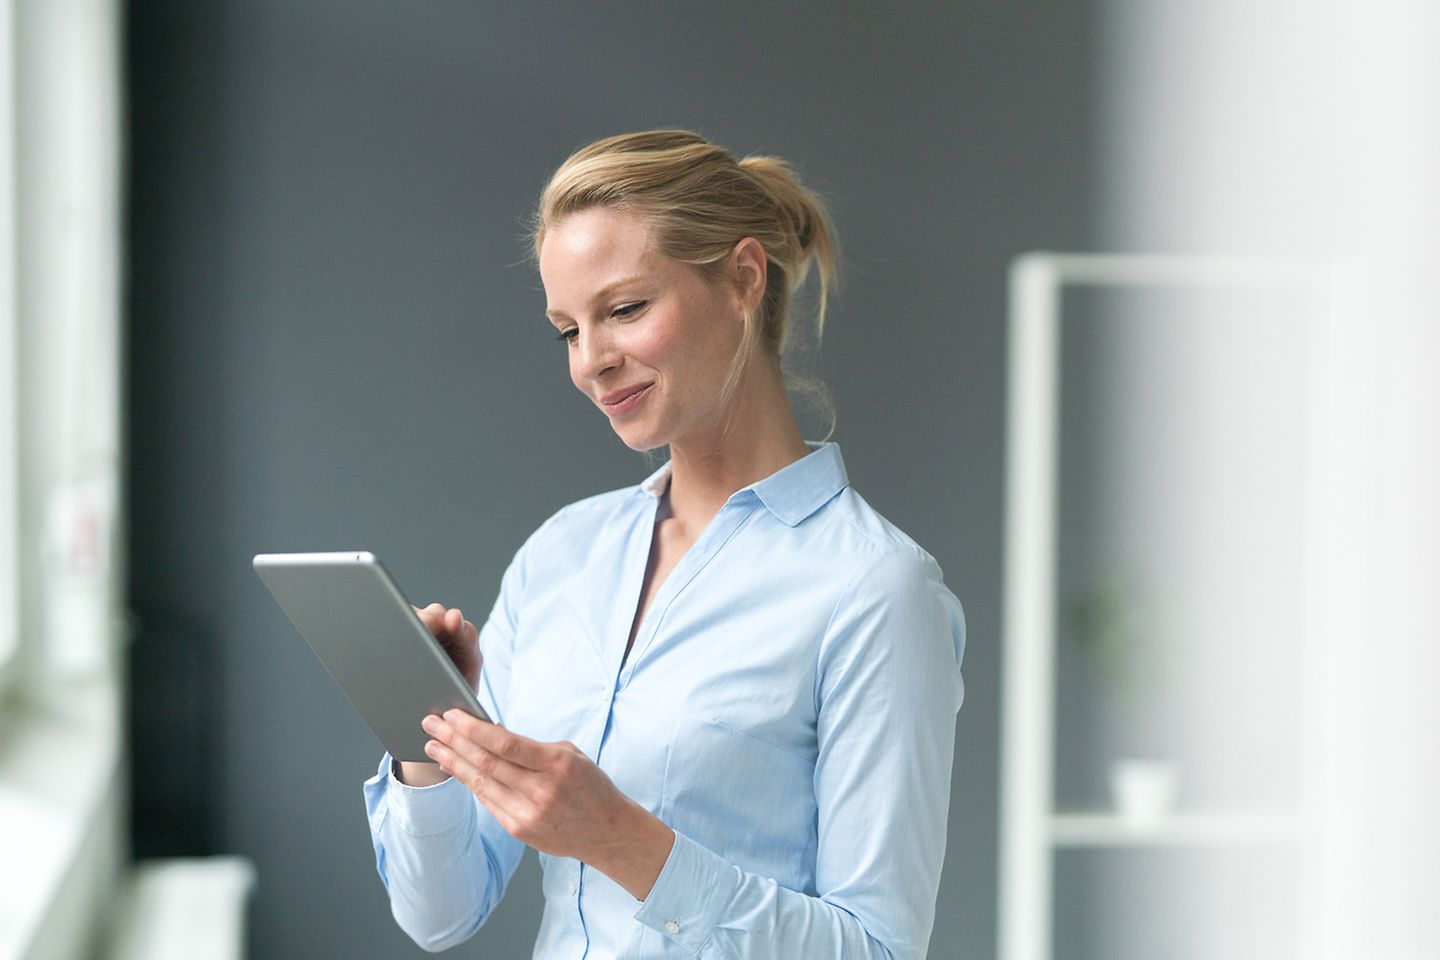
369, 638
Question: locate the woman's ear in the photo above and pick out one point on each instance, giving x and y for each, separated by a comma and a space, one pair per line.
748, 270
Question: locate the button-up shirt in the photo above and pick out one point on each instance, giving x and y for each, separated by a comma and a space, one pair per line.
788, 710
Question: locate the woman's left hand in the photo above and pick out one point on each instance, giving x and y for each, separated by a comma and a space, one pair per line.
552, 797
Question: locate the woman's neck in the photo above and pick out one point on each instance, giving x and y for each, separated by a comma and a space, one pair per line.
763, 438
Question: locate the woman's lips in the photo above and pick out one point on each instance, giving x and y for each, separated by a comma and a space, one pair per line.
626, 399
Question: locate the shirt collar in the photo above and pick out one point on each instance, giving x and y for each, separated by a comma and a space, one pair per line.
793, 492
656, 483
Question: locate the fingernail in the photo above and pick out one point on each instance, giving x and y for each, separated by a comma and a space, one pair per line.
429, 723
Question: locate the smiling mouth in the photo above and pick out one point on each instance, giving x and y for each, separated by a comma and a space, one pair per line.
616, 399
624, 400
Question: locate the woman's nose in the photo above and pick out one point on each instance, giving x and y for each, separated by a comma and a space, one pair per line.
595, 353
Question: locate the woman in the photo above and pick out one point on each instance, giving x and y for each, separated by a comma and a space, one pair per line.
726, 697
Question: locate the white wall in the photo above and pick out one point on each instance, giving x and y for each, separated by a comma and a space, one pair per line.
1311, 130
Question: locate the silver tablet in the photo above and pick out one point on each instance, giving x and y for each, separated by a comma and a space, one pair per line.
367, 635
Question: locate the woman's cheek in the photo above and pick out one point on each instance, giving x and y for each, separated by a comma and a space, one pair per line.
655, 339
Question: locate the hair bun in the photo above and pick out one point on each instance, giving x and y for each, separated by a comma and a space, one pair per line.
800, 209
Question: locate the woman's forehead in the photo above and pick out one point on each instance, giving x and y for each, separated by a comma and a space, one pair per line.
599, 234
587, 252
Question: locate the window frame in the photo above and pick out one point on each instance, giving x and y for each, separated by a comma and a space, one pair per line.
10, 553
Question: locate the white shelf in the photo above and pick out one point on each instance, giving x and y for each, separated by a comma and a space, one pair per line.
1031, 829
1186, 830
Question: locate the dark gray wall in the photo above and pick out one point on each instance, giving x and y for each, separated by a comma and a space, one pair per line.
337, 342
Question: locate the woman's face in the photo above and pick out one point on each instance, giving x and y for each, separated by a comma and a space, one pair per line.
650, 339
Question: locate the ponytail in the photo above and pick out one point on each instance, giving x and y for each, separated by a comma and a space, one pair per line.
809, 234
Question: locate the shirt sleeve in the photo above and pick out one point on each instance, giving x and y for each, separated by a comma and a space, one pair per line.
444, 859
888, 686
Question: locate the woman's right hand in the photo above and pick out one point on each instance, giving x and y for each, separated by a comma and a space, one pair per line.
459, 638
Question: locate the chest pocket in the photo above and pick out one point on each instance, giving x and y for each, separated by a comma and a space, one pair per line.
748, 800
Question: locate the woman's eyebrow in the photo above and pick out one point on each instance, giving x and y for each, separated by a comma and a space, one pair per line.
609, 288
599, 295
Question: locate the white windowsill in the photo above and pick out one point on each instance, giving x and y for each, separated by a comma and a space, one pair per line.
58, 768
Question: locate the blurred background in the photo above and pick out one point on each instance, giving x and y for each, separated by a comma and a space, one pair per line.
1137, 336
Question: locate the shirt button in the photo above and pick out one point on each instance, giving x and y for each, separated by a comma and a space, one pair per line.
570, 887
673, 927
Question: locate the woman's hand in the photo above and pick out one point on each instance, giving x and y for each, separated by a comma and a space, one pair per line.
457, 636
552, 797
461, 641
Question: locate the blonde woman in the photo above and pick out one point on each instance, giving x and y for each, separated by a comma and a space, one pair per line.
726, 697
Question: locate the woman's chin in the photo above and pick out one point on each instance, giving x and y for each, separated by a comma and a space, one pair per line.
640, 440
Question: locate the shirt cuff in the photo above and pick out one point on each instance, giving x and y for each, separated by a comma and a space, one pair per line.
691, 894
424, 811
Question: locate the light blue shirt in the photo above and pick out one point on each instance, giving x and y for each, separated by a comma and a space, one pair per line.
788, 709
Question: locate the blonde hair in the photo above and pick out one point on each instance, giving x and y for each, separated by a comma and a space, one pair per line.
700, 202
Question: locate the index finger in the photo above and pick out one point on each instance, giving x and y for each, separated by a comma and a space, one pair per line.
519, 750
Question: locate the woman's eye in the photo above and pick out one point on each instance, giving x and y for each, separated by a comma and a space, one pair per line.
571, 335
627, 309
